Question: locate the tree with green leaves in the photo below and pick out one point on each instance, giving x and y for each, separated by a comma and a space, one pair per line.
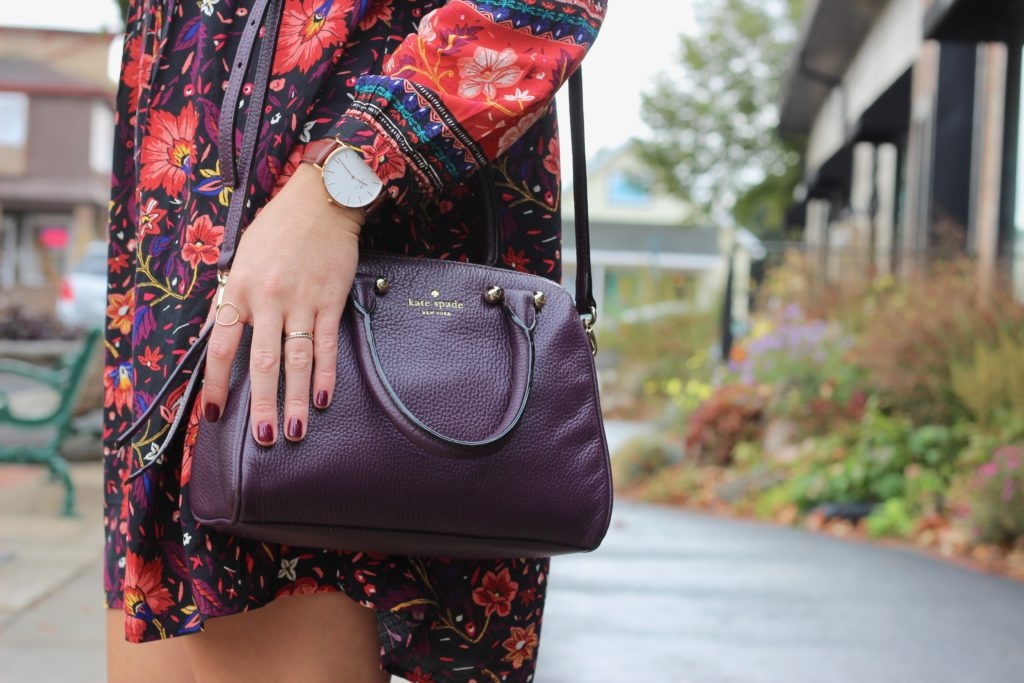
714, 116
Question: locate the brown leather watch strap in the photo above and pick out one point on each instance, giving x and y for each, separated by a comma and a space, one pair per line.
317, 151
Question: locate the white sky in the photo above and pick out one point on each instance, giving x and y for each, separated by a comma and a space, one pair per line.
639, 39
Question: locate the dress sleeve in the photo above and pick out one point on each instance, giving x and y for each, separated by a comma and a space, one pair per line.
461, 90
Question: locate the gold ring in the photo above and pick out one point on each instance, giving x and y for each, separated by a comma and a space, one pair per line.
298, 335
227, 323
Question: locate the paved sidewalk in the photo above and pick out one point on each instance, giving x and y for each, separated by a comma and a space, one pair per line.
671, 597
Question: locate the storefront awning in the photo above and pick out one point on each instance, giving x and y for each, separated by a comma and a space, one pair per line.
975, 21
888, 118
832, 33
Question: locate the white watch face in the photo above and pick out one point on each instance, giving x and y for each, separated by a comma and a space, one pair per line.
349, 179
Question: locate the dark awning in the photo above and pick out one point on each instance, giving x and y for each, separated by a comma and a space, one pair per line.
975, 21
834, 176
832, 32
888, 117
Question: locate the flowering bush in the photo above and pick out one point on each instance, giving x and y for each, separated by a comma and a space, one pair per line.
915, 335
653, 365
805, 363
996, 497
732, 414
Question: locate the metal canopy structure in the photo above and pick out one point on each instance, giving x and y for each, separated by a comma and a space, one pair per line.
976, 21
832, 33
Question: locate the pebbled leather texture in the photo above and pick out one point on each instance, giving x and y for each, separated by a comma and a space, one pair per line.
367, 478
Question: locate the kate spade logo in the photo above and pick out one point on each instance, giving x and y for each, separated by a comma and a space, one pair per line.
436, 305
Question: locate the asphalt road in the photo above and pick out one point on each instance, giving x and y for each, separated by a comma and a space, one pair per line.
673, 597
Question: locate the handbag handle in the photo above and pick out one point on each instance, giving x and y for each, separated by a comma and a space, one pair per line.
236, 175
519, 313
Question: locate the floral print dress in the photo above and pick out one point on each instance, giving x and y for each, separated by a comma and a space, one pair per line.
430, 91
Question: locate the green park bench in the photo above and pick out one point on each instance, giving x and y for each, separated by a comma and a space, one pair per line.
36, 437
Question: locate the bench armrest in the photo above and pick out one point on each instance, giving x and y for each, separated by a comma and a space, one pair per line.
50, 377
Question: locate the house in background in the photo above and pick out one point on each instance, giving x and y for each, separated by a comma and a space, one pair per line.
646, 261
56, 140
911, 111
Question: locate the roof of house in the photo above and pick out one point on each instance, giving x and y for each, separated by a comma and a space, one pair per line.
36, 78
647, 238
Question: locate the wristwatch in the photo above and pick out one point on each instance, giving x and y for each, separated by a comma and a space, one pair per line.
348, 179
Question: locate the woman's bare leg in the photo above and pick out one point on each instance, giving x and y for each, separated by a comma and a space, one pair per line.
158, 662
323, 637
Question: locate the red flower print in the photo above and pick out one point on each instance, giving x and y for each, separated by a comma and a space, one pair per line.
305, 585
516, 259
486, 71
520, 645
385, 161
117, 263
121, 311
169, 150
117, 387
381, 11
553, 160
135, 73
496, 594
144, 595
150, 217
151, 358
308, 28
417, 676
202, 242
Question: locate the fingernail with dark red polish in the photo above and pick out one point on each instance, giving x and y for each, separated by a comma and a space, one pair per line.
265, 433
321, 399
295, 428
211, 412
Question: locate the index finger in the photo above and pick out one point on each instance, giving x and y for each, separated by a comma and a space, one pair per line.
220, 355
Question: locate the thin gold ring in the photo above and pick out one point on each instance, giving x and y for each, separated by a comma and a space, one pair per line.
227, 323
298, 335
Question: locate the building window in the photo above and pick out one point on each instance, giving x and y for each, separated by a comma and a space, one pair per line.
13, 132
101, 141
629, 188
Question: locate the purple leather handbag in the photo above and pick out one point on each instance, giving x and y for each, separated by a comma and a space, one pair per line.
465, 422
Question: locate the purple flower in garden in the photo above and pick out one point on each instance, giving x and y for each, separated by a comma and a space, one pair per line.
792, 312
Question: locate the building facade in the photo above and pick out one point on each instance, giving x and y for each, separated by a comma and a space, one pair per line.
911, 114
646, 261
56, 141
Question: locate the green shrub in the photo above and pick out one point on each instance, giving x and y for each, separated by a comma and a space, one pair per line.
641, 458
882, 458
990, 381
893, 518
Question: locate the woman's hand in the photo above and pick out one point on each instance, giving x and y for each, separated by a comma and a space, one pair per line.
292, 272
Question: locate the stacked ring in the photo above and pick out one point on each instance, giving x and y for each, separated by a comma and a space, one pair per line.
298, 335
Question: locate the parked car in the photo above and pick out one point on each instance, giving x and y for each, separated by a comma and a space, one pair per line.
83, 291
